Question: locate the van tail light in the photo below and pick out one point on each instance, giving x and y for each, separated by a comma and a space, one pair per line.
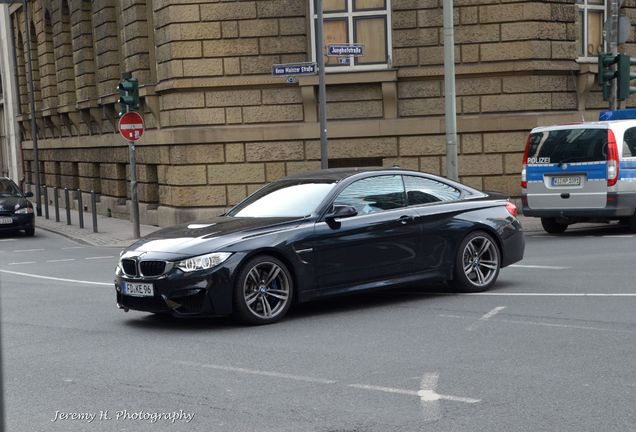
612, 159
524, 166
512, 208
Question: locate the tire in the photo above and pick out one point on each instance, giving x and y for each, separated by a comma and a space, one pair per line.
631, 222
477, 264
263, 291
550, 225
30, 232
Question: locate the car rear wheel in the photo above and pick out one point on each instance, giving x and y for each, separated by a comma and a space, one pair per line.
263, 291
477, 264
551, 226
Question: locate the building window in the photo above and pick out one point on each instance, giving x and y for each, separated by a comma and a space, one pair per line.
591, 18
366, 22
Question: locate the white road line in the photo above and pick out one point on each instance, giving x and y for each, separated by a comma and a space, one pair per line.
21, 263
61, 260
99, 257
485, 317
515, 294
619, 236
73, 247
428, 398
385, 389
57, 279
28, 250
539, 267
258, 372
7, 240
543, 324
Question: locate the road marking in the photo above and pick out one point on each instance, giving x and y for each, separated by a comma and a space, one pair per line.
99, 257
385, 389
485, 317
73, 247
258, 372
619, 236
56, 279
539, 267
543, 324
7, 240
61, 260
21, 263
510, 294
28, 250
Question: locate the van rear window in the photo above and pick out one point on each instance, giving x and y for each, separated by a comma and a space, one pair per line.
568, 145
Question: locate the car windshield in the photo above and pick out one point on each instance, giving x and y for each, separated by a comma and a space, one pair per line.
8, 189
289, 198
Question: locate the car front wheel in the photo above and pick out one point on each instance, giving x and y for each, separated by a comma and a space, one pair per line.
263, 291
477, 264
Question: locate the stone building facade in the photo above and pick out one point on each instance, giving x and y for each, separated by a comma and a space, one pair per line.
219, 125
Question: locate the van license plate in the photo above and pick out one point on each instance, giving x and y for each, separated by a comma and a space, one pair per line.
138, 289
566, 181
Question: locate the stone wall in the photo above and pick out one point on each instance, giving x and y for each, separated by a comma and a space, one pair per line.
219, 126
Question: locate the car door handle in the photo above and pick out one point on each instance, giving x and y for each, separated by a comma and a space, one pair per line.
405, 219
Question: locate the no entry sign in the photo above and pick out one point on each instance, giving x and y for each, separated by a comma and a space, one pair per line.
131, 126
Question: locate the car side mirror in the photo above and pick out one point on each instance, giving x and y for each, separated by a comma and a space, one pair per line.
28, 194
340, 212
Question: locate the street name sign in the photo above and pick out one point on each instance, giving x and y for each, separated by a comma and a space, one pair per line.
294, 69
356, 50
131, 126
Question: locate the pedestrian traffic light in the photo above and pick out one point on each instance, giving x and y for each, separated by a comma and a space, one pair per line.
128, 94
624, 75
606, 72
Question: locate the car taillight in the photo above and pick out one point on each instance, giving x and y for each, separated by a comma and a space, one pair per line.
512, 208
612, 159
524, 179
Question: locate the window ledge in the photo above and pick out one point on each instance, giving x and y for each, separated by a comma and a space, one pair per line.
351, 77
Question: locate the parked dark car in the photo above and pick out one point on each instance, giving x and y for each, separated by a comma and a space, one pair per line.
321, 234
16, 211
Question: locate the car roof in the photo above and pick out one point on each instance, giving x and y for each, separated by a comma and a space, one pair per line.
613, 124
338, 174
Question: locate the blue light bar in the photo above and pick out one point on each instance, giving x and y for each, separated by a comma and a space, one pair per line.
623, 114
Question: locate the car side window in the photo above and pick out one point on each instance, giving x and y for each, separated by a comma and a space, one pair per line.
629, 143
374, 194
422, 190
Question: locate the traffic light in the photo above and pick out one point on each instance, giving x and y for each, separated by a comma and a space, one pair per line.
606, 72
128, 94
623, 76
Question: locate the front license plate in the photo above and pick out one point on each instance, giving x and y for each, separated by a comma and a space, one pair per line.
566, 181
5, 221
138, 289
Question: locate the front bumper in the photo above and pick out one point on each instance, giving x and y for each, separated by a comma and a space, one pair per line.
202, 293
20, 222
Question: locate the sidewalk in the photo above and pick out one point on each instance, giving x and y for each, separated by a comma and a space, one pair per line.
112, 232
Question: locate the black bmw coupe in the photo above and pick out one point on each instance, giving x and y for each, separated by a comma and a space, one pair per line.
321, 234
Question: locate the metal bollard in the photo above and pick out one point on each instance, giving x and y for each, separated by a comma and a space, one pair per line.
46, 202
80, 204
94, 210
68, 206
56, 203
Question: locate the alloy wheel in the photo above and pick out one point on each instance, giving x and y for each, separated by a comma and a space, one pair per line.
266, 290
480, 261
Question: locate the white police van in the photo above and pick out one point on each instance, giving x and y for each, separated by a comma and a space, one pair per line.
584, 172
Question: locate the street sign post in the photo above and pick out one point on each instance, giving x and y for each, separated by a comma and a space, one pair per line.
339, 50
131, 127
290, 69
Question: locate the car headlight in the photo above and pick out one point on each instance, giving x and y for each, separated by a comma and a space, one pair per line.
24, 210
203, 262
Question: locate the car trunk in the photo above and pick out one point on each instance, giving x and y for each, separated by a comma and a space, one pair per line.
567, 168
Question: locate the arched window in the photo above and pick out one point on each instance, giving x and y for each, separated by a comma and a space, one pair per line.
64, 58
47, 65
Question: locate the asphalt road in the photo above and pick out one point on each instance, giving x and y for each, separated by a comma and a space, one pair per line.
551, 348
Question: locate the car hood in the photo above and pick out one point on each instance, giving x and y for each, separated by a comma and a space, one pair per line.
197, 238
9, 203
